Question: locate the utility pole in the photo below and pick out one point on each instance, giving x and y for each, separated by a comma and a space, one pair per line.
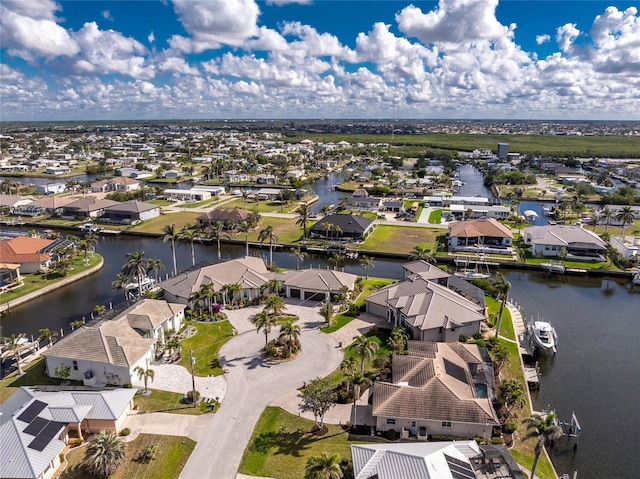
193, 378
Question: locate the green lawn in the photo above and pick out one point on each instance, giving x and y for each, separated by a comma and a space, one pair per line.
180, 219
370, 286
506, 327
205, 345
198, 204
170, 402
400, 239
264, 206
435, 217
575, 264
339, 321
286, 228
284, 455
34, 375
173, 453
34, 282
378, 337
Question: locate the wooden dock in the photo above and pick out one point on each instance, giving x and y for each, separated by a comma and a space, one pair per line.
531, 373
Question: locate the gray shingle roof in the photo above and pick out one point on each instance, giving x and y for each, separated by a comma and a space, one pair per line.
564, 235
132, 207
317, 279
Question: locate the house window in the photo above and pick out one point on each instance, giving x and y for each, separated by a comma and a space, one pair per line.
391, 422
446, 424
75, 365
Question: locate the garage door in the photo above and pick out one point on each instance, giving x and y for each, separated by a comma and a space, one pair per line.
314, 296
294, 293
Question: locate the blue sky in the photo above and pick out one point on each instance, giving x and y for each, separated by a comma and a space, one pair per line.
186, 59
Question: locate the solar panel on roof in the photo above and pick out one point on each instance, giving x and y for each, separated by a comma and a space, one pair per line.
43, 439
36, 426
455, 371
32, 411
459, 469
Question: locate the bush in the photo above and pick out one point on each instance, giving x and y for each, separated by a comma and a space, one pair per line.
462, 338
392, 435
510, 426
190, 396
125, 432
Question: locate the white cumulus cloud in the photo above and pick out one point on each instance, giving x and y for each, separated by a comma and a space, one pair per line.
540, 39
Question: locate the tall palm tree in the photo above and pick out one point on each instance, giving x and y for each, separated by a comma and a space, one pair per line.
326, 311
502, 287
244, 227
105, 454
136, 267
304, 211
155, 265
358, 380
337, 260
290, 330
121, 282
545, 429
209, 293
367, 262
15, 344
145, 375
323, 467
512, 395
273, 286
349, 367
196, 299
189, 234
231, 290
263, 321
422, 253
627, 217
171, 235
299, 254
215, 232
274, 304
606, 215
365, 349
269, 234
47, 334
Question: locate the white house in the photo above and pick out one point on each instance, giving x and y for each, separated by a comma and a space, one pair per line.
627, 246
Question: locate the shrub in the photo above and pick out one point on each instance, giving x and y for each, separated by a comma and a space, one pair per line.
190, 396
477, 335
510, 426
462, 338
392, 434
125, 432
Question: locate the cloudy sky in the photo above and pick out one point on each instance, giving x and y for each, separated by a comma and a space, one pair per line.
242, 59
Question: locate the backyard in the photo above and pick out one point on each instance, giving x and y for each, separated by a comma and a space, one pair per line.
399, 239
173, 453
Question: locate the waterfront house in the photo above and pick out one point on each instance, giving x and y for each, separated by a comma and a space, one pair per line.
366, 203
118, 183
35, 426
437, 389
130, 213
431, 310
315, 284
8, 203
578, 242
395, 206
342, 227
31, 254
109, 350
482, 234
628, 246
225, 215
51, 188
89, 207
189, 196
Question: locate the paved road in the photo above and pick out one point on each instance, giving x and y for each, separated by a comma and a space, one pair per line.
252, 384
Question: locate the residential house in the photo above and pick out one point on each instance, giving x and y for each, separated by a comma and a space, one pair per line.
271, 194
437, 389
315, 284
395, 206
342, 227
434, 460
579, 243
366, 203
49, 205
130, 213
628, 246
233, 176
35, 426
108, 351
51, 188
57, 170
473, 212
431, 310
224, 215
118, 183
89, 207
482, 234
193, 195
265, 179
8, 203
32, 254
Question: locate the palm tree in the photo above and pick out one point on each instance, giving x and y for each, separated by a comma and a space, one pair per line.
365, 349
292, 331
171, 235
215, 232
512, 395
245, 228
99, 309
209, 293
273, 286
189, 234
349, 367
89, 241
337, 259
422, 253
264, 321
231, 290
274, 304
145, 375
299, 254
326, 311
366, 262
155, 265
323, 467
627, 217
303, 218
105, 454
196, 298
15, 344
607, 215
358, 380
47, 334
269, 234
502, 287
136, 267
501, 356
545, 429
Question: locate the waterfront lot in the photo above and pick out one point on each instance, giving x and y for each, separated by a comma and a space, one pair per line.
180, 219
286, 229
173, 452
264, 206
400, 239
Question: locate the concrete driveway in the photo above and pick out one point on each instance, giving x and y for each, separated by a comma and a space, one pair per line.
253, 384
156, 423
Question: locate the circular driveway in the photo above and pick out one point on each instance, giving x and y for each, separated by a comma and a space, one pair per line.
252, 384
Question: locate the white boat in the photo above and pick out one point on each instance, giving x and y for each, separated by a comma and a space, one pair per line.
134, 287
546, 210
530, 215
554, 266
544, 336
469, 273
636, 278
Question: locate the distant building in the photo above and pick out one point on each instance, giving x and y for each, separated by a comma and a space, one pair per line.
503, 151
